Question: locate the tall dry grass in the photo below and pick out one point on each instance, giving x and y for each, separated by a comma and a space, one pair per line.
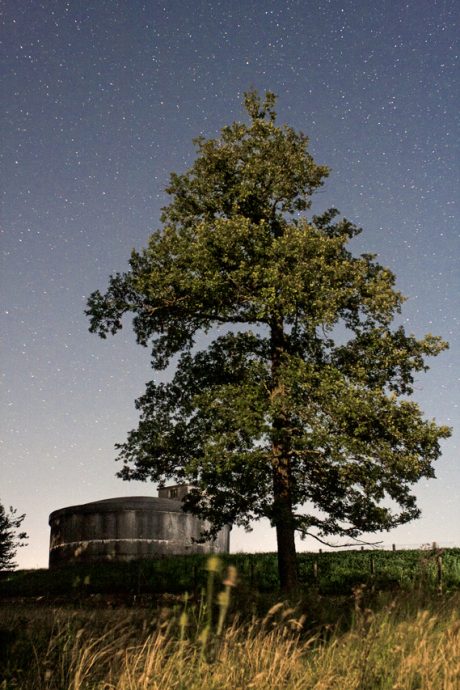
412, 643
381, 650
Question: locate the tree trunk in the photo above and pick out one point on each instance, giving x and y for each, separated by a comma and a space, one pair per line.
282, 497
285, 532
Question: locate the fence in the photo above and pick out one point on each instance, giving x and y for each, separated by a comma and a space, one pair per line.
372, 569
427, 546
338, 571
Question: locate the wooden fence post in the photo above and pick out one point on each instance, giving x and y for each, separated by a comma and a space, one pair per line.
372, 566
439, 572
315, 569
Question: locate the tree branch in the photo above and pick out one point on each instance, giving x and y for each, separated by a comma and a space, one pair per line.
341, 546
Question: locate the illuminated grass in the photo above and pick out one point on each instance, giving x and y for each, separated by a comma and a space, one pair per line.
410, 643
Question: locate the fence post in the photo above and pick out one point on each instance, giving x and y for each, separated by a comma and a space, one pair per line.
439, 572
393, 547
315, 569
372, 566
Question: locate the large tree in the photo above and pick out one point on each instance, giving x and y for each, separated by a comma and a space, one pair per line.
296, 406
10, 538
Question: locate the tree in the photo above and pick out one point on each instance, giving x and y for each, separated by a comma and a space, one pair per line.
301, 396
10, 540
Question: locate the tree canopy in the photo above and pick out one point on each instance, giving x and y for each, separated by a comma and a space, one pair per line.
298, 407
10, 538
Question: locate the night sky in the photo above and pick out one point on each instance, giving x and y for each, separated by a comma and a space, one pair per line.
100, 102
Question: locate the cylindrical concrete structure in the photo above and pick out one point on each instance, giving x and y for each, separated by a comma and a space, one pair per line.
126, 529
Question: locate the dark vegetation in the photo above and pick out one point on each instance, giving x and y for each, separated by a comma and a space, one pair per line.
330, 573
10, 537
159, 624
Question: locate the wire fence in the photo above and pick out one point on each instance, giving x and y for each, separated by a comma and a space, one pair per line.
426, 546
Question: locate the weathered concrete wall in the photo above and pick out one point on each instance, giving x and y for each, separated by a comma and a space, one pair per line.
125, 529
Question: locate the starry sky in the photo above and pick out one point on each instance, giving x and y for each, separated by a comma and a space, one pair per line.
100, 101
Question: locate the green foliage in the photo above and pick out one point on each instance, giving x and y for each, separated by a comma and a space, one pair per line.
336, 573
10, 538
273, 414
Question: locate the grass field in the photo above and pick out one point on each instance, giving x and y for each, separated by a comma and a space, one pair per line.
328, 573
222, 636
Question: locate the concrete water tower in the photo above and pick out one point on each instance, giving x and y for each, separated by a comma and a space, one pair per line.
129, 528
